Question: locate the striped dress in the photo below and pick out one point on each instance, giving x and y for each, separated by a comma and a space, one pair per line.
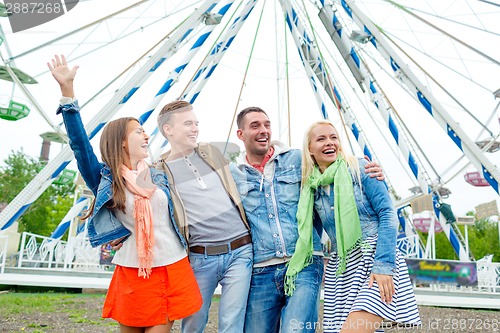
349, 292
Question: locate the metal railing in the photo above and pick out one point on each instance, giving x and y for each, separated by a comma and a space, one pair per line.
488, 275
409, 246
77, 255
49, 253
80, 256
40, 251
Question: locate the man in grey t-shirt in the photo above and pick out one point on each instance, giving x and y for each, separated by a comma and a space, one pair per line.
208, 208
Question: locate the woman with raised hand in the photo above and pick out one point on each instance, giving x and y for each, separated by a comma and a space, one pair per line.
153, 283
367, 285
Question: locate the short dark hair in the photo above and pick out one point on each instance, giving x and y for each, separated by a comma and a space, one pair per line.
244, 112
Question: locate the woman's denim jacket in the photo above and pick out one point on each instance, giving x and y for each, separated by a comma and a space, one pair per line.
271, 204
103, 226
376, 215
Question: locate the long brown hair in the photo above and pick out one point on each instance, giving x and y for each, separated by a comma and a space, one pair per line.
113, 154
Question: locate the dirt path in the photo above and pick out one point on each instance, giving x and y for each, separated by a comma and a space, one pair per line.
63, 313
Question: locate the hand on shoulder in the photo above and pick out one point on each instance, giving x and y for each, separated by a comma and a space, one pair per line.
374, 169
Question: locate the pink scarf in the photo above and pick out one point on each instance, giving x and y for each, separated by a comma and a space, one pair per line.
142, 188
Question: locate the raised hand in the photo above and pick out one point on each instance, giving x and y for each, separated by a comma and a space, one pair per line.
63, 74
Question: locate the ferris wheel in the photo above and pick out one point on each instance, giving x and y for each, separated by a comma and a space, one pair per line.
414, 88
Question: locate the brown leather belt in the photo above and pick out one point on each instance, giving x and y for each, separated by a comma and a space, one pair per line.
222, 249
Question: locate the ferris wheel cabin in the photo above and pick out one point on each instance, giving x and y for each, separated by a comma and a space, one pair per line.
475, 179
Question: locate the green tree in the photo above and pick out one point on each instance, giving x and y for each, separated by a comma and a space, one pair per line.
444, 250
483, 240
47, 211
233, 157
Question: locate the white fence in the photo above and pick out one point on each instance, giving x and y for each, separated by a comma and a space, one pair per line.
39, 251
49, 253
4, 241
488, 275
77, 255
409, 246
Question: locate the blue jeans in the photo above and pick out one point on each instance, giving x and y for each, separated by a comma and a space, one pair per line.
233, 272
270, 310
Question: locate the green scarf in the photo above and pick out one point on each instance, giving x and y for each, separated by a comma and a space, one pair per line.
347, 226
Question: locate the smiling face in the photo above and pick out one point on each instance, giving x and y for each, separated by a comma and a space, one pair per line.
324, 145
136, 143
182, 131
256, 134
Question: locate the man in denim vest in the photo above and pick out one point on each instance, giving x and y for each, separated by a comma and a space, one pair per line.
268, 177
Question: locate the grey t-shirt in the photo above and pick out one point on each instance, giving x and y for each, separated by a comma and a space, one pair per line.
213, 218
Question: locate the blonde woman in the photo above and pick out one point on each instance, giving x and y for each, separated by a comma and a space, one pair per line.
367, 284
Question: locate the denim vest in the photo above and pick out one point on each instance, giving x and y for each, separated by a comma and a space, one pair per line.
103, 226
376, 214
271, 204
212, 156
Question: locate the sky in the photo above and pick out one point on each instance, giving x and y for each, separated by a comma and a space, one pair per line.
269, 74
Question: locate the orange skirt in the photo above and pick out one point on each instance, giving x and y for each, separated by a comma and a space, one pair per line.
170, 293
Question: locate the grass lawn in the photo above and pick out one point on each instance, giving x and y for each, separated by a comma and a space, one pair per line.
44, 312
